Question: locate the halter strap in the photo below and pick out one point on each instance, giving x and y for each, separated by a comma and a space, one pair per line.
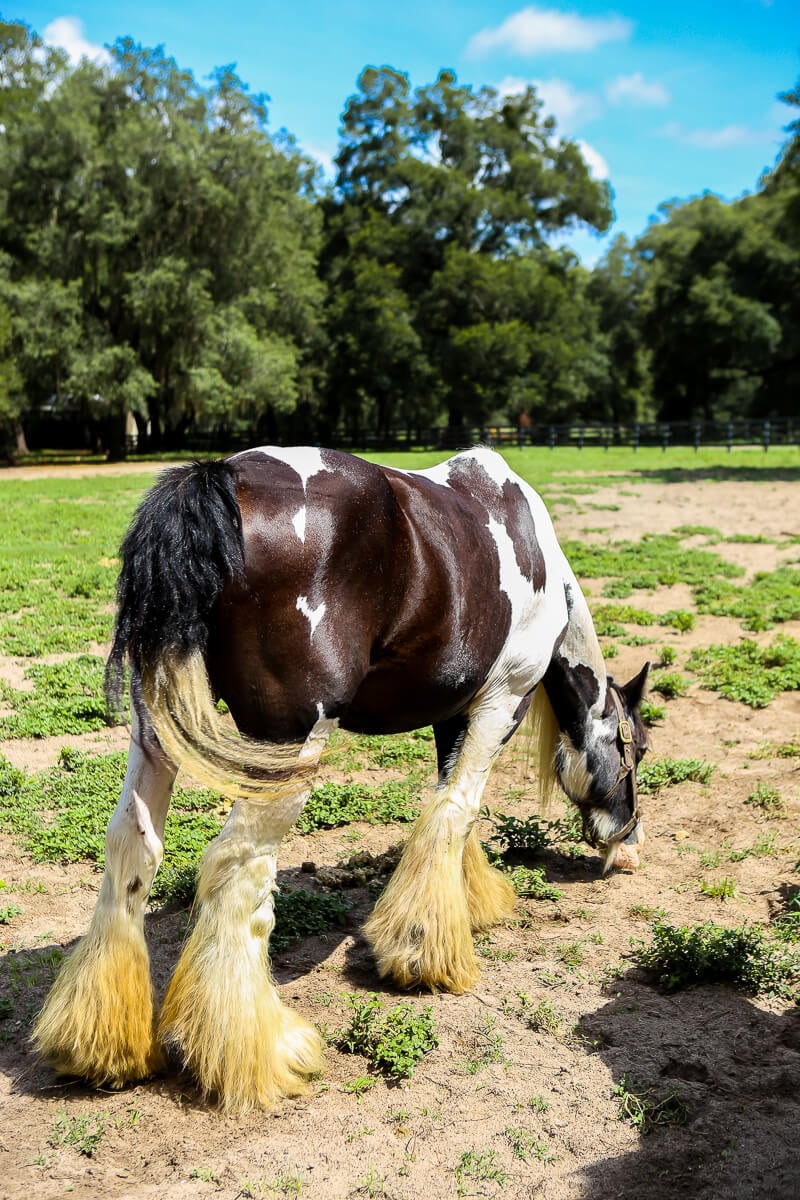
627, 766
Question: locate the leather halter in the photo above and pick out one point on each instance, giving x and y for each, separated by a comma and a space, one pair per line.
627, 766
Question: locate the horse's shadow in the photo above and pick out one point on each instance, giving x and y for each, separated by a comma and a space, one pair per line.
736, 1067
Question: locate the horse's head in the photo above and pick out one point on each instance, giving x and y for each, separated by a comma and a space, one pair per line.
600, 775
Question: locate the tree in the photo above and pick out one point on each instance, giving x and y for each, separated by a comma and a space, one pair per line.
444, 203
184, 234
615, 289
708, 306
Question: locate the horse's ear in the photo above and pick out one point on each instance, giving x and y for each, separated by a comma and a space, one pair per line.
633, 690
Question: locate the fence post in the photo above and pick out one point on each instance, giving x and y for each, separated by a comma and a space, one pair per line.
730, 436
766, 436
580, 438
665, 434
697, 428
552, 437
607, 432
636, 437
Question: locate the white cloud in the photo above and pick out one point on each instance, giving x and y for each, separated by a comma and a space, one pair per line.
634, 89
323, 157
569, 106
67, 33
594, 160
717, 139
512, 85
535, 30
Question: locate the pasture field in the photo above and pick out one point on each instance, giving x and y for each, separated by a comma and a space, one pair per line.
637, 1035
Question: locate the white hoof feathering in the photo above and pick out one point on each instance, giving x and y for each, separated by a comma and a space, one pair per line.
420, 930
490, 895
97, 1022
222, 1015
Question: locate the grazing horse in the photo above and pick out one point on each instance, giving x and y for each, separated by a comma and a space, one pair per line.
309, 589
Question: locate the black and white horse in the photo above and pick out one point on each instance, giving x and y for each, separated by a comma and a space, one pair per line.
310, 590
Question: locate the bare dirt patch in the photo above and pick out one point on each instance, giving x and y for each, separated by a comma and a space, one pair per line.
498, 1108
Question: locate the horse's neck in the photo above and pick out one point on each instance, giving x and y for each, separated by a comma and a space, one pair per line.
576, 679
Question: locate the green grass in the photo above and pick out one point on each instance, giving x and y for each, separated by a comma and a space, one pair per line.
766, 798
66, 698
301, 913
394, 1039
769, 598
351, 752
57, 578
747, 672
335, 804
654, 774
531, 883
656, 560
60, 815
746, 957
669, 684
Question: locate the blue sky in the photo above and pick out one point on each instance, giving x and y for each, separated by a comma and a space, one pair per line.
667, 100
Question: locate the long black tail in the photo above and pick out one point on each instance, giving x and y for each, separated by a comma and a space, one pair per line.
184, 545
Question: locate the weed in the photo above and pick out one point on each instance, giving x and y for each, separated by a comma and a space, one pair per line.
335, 804
680, 957
541, 1016
531, 882
720, 889
659, 773
638, 1106
373, 1184
84, 1133
656, 560
533, 834
680, 619
66, 698
667, 656
479, 1166
487, 948
538, 1104
651, 713
767, 798
777, 749
302, 914
394, 1040
359, 1086
487, 1047
525, 1146
748, 672
669, 685
769, 598
204, 1174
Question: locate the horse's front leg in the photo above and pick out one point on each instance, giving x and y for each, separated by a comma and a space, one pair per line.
97, 1022
222, 1013
443, 887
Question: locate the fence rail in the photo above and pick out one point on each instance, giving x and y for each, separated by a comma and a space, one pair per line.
655, 433
68, 434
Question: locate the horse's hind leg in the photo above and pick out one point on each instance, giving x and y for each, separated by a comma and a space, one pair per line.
443, 887
97, 1022
222, 1013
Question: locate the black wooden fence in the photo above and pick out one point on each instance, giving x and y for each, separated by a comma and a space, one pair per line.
784, 432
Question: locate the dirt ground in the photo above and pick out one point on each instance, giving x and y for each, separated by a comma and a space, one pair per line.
544, 1113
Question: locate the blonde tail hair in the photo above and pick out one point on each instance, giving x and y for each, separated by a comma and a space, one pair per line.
195, 735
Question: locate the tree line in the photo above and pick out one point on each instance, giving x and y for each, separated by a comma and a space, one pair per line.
162, 254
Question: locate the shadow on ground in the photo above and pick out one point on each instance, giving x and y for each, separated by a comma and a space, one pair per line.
736, 1066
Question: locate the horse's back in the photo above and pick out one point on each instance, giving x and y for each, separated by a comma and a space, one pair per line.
377, 596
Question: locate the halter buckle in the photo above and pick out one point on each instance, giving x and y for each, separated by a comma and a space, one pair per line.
625, 733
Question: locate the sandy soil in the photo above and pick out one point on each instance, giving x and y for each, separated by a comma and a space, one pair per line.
735, 1060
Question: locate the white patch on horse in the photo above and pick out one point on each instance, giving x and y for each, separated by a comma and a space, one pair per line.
313, 615
307, 462
318, 735
574, 771
299, 522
